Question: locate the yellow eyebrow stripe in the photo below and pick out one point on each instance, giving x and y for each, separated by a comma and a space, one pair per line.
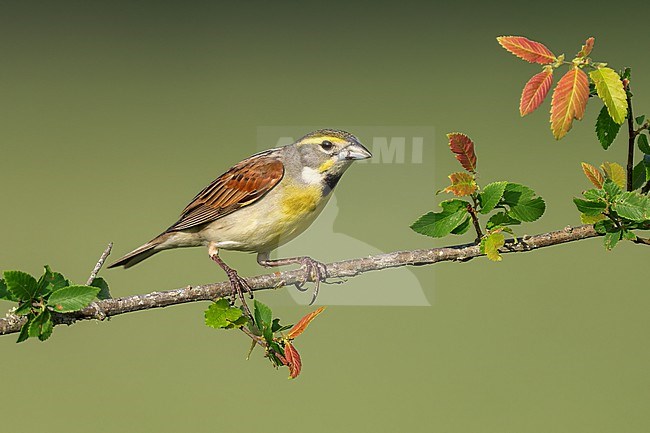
320, 138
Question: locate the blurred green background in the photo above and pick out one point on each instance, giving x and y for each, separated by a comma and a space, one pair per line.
114, 114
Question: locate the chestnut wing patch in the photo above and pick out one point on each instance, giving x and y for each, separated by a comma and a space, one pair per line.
240, 186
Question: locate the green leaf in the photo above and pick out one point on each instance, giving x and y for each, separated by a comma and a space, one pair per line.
24, 330
222, 315
604, 226
632, 206
50, 281
612, 189
595, 194
41, 326
611, 239
610, 89
606, 128
628, 235
615, 172
5, 293
21, 285
491, 195
501, 219
24, 308
590, 208
490, 245
72, 298
277, 327
104, 292
640, 119
639, 175
263, 316
643, 144
462, 228
454, 213
521, 202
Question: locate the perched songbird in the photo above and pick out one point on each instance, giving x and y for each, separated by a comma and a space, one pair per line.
262, 202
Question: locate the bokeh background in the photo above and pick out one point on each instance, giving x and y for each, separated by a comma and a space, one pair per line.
114, 114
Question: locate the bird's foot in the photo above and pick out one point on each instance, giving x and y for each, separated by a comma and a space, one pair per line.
315, 270
238, 285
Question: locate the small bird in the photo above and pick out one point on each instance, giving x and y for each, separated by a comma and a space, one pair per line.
261, 203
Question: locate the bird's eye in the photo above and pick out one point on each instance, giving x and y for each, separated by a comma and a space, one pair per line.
327, 145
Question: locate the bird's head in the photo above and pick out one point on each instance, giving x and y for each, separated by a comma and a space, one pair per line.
326, 154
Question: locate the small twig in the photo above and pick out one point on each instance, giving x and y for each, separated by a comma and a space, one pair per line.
477, 225
640, 240
99, 264
631, 135
257, 339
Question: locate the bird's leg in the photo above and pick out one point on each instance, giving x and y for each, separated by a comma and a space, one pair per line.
237, 283
314, 268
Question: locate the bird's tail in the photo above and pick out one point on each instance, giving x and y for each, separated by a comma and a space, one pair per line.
139, 254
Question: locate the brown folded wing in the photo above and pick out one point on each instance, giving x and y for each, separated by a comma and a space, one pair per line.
240, 186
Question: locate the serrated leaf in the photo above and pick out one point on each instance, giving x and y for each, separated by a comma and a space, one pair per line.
302, 324
610, 89
642, 142
277, 327
41, 326
72, 298
586, 48
501, 219
102, 285
5, 293
463, 147
50, 281
639, 119
491, 195
462, 184
632, 206
24, 330
639, 175
611, 239
523, 205
535, 91
263, 315
593, 174
524, 48
611, 189
462, 227
490, 245
569, 101
628, 235
293, 361
21, 285
615, 172
221, 315
606, 128
590, 208
454, 213
604, 226
595, 194
24, 308
588, 219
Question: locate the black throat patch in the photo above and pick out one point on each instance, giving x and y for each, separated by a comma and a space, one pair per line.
330, 182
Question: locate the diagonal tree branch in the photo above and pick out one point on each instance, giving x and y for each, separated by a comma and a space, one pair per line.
347, 268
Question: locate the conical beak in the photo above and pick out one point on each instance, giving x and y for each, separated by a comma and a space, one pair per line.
355, 151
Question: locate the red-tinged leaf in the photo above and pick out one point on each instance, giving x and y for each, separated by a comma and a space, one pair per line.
463, 147
535, 91
293, 361
586, 48
593, 174
524, 48
569, 101
300, 327
462, 184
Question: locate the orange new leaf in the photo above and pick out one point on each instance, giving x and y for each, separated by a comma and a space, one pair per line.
535, 91
587, 47
462, 184
593, 174
292, 358
569, 101
463, 147
300, 327
524, 48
